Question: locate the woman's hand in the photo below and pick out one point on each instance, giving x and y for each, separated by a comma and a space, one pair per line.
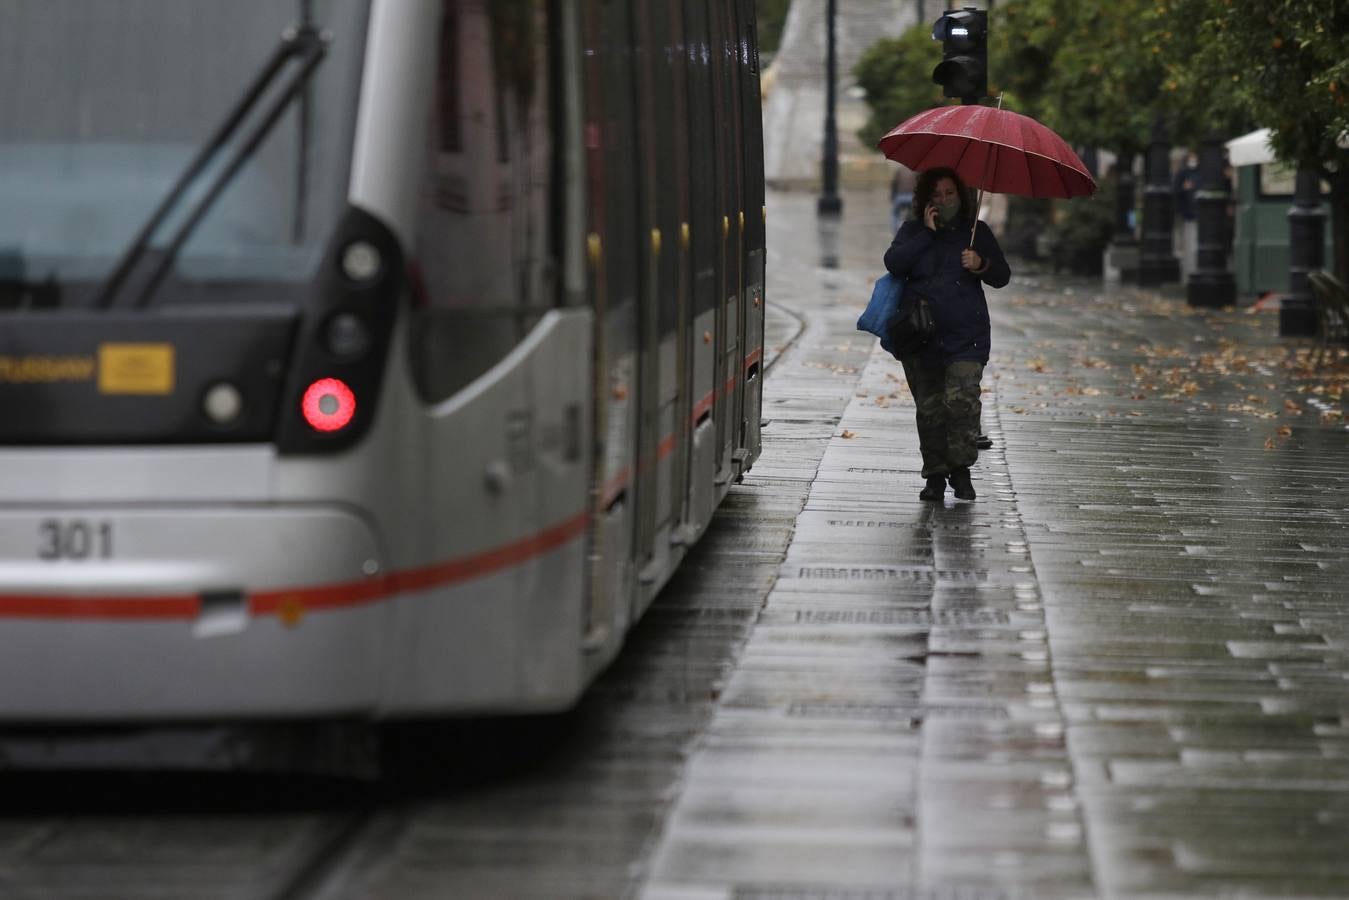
930, 217
971, 260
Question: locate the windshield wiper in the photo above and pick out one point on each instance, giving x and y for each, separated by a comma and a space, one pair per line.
305, 44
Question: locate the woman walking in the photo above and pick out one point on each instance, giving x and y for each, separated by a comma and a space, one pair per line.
933, 252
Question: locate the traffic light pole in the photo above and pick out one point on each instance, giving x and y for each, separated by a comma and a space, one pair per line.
830, 203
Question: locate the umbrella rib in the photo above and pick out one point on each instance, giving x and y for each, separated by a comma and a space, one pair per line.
938, 134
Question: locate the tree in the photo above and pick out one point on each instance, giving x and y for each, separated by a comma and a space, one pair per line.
1102, 86
1024, 37
896, 73
1283, 65
772, 17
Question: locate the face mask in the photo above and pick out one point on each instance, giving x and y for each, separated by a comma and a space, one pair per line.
946, 212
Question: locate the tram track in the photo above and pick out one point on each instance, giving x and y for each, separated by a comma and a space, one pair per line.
333, 872
315, 875
532, 788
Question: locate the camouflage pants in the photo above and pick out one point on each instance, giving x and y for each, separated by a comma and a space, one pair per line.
948, 412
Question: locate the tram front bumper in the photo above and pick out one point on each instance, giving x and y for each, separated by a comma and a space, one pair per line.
182, 613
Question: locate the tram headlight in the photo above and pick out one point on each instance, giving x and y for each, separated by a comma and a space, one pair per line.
343, 338
328, 405
346, 336
361, 261
222, 403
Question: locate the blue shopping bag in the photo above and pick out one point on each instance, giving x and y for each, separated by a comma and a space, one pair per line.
882, 309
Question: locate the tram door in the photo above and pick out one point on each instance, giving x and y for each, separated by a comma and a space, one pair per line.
753, 302
658, 292
612, 188
702, 267
678, 253
726, 127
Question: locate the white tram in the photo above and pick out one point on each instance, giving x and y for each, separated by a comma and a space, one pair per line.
363, 359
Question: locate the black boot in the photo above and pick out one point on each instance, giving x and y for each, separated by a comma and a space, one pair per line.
935, 490
960, 483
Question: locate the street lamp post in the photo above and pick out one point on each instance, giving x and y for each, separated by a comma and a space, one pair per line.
830, 204
1306, 254
1156, 263
1211, 283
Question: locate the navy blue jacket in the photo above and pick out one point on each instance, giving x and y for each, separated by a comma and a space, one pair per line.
930, 261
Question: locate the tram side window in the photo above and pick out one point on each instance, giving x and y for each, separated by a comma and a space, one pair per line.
482, 256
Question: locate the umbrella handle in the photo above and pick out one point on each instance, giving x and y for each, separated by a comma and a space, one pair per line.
978, 207
979, 204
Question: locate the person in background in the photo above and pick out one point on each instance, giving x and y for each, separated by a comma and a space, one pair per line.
1183, 188
933, 252
901, 196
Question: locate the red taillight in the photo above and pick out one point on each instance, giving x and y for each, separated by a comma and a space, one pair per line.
328, 405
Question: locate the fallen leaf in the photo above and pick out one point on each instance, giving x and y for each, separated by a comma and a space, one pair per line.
848, 435
1269, 443
1285, 431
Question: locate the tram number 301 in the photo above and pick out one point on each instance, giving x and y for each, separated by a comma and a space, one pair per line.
75, 539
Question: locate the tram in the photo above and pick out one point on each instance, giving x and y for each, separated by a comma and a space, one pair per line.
363, 360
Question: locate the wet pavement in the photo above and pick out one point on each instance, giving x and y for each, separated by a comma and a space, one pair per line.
1123, 671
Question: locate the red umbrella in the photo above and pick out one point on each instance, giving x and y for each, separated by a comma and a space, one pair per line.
991, 149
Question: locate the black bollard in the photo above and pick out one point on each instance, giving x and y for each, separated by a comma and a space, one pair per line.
1121, 257
1212, 282
1157, 264
1306, 254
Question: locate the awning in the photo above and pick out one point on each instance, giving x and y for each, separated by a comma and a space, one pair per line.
1250, 149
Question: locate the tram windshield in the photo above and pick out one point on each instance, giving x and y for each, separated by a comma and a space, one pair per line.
105, 103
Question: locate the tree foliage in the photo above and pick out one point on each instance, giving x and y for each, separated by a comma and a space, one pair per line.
1101, 73
896, 73
1283, 64
1280, 64
771, 18
1024, 38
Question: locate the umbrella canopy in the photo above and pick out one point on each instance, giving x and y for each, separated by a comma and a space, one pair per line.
992, 149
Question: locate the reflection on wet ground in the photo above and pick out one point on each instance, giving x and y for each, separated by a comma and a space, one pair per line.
1181, 476
1121, 672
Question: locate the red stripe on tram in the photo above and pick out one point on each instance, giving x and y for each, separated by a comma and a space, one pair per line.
175, 607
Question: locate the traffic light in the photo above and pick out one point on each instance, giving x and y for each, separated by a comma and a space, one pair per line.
963, 70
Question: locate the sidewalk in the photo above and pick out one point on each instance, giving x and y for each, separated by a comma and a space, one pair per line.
794, 111
1122, 672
